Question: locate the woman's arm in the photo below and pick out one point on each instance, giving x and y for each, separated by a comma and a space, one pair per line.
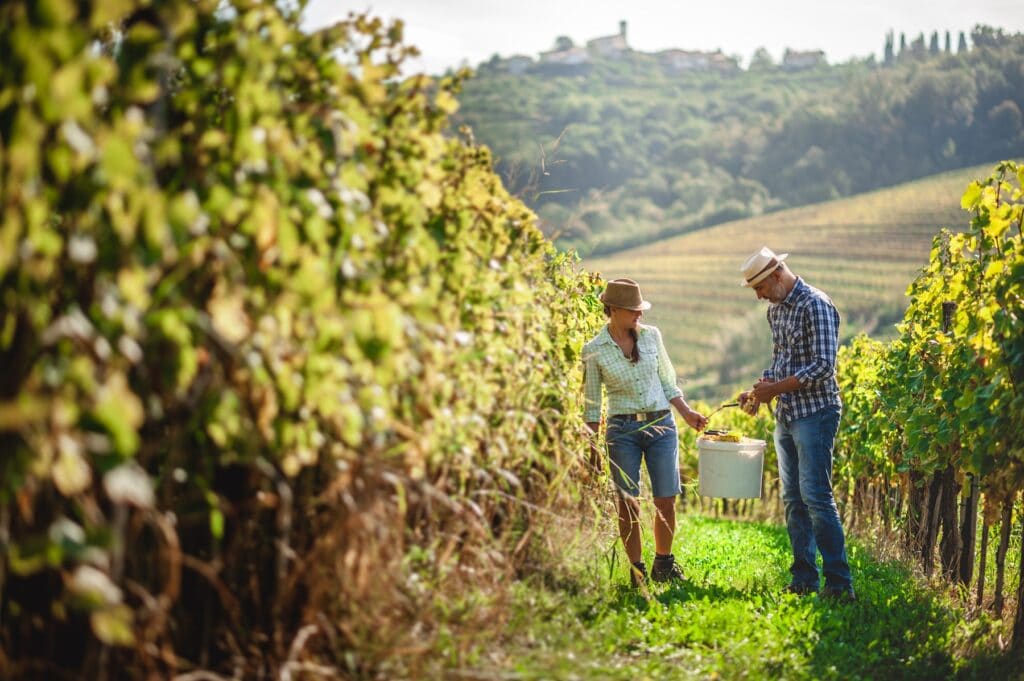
693, 418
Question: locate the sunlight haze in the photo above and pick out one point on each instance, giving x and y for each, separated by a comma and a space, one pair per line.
451, 33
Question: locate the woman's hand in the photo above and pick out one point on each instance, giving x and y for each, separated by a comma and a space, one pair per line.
595, 456
695, 419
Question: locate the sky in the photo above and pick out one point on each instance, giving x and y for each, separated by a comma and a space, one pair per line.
452, 33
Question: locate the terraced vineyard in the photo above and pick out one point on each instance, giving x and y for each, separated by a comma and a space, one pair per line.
862, 250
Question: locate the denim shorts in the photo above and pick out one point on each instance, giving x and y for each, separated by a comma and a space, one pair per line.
656, 442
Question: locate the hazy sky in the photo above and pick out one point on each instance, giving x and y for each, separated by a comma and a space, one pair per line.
450, 32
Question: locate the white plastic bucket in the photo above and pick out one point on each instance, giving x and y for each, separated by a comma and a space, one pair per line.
731, 470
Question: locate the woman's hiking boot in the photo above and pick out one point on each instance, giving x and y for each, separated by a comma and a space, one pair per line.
637, 574
666, 569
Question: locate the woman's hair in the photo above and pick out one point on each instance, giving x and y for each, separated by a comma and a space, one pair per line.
634, 356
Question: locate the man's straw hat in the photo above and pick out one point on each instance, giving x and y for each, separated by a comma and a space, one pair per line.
624, 293
760, 265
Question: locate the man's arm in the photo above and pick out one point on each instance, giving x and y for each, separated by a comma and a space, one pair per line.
765, 391
823, 336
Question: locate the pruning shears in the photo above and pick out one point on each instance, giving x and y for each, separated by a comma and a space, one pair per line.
721, 407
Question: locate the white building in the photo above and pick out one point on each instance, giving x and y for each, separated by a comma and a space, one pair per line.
614, 46
794, 60
687, 60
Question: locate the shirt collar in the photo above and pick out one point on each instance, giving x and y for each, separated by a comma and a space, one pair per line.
798, 291
605, 336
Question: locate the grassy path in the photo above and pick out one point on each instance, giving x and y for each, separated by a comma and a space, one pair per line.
732, 622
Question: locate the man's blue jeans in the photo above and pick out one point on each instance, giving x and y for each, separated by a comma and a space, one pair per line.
804, 447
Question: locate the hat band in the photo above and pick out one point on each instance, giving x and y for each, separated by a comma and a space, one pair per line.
772, 264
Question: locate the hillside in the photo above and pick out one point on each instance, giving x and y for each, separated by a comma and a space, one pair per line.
862, 250
626, 149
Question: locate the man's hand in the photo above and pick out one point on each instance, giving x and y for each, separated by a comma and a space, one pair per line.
749, 402
764, 390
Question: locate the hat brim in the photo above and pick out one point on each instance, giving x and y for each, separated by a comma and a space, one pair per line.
764, 275
644, 305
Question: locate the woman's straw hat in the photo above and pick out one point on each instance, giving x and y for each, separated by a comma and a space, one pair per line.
760, 265
624, 293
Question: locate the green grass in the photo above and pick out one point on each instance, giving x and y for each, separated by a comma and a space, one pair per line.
863, 251
731, 621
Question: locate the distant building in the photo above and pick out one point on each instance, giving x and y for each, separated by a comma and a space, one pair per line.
613, 46
517, 64
801, 61
687, 60
573, 56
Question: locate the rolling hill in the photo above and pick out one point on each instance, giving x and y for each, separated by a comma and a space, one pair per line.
862, 250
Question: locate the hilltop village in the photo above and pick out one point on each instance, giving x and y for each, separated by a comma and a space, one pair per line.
567, 58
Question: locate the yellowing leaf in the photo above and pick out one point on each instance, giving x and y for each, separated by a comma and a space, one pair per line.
113, 625
227, 312
430, 194
446, 102
109, 11
994, 268
121, 413
131, 284
71, 473
971, 197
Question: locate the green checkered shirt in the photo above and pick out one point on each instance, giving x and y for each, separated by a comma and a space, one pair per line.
645, 386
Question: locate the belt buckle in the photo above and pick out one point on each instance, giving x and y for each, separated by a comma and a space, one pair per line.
639, 416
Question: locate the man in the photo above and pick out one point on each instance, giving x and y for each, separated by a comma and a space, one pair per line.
802, 379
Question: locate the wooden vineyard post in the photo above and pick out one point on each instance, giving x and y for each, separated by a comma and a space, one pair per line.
969, 529
1018, 619
1004, 545
983, 560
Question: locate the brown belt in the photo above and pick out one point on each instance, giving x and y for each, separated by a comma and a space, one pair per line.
642, 416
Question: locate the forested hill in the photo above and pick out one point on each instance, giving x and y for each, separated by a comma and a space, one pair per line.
625, 147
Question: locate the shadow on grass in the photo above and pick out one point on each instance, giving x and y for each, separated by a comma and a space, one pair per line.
627, 597
897, 629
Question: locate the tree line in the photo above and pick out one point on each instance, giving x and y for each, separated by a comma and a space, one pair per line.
631, 151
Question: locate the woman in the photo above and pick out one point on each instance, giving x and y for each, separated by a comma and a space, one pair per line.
629, 359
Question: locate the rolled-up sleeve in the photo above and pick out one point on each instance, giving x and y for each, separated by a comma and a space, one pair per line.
822, 322
591, 386
769, 374
666, 372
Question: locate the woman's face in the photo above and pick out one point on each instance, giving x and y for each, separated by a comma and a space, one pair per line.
626, 319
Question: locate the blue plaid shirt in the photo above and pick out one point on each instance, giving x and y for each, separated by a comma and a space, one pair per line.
805, 333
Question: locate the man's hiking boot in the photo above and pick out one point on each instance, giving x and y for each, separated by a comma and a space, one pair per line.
835, 595
800, 589
637, 574
665, 569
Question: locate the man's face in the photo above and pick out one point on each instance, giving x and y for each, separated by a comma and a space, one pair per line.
771, 289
